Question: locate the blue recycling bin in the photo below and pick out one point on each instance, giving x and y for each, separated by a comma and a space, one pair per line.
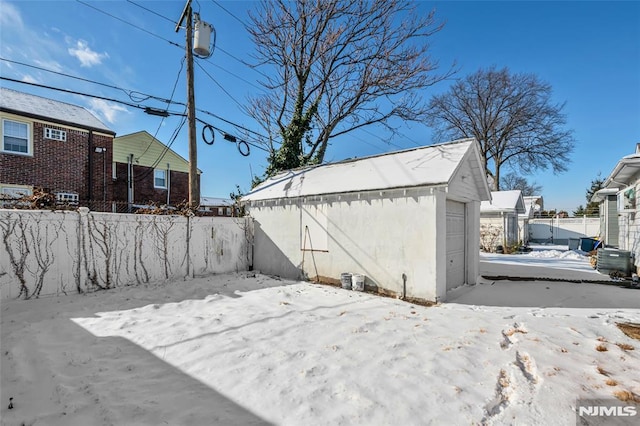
588, 244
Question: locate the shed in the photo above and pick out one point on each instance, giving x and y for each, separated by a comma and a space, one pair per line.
499, 218
407, 220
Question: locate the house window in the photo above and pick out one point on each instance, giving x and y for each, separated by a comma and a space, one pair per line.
59, 135
15, 191
627, 199
220, 211
227, 211
160, 178
67, 197
15, 137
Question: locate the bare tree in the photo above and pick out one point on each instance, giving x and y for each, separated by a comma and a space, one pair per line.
514, 181
511, 115
338, 66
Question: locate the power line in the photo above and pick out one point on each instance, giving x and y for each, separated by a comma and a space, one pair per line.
130, 93
152, 11
73, 92
180, 46
168, 104
232, 15
129, 23
219, 85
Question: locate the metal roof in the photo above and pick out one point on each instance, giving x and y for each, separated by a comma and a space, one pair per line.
425, 166
49, 109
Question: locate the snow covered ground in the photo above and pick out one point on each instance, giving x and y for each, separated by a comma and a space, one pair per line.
241, 349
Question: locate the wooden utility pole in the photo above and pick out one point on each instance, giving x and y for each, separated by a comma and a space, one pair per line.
194, 187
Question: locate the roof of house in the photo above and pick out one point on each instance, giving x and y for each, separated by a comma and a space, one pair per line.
148, 151
431, 165
504, 201
48, 109
602, 194
622, 173
215, 202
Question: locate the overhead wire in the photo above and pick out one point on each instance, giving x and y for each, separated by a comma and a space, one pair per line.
129, 23
162, 120
231, 14
129, 93
152, 11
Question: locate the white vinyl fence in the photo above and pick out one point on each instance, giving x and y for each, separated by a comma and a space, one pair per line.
559, 230
50, 252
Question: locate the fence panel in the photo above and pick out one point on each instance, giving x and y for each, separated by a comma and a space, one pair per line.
51, 252
559, 230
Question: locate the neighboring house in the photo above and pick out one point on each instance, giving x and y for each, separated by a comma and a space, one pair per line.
53, 145
407, 220
533, 206
499, 219
608, 212
145, 171
218, 206
625, 181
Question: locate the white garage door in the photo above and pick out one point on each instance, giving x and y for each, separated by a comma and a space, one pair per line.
455, 244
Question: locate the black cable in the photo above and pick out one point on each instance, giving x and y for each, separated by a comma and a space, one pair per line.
143, 107
218, 84
241, 150
168, 104
232, 15
73, 92
208, 127
151, 11
129, 23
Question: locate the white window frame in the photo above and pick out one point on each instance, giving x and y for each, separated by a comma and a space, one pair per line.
627, 199
164, 178
55, 134
220, 211
227, 211
29, 138
67, 197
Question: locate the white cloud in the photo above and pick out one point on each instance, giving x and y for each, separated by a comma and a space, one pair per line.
85, 55
29, 79
106, 110
50, 65
10, 16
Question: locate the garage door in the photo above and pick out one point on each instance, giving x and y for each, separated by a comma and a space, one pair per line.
455, 244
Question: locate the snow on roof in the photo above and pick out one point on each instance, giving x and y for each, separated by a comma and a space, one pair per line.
425, 166
504, 201
214, 201
19, 102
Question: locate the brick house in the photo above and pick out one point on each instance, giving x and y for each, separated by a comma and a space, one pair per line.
57, 146
146, 171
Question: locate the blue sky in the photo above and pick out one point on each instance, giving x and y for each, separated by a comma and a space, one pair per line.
588, 51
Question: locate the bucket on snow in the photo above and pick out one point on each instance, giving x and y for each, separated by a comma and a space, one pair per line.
357, 282
345, 280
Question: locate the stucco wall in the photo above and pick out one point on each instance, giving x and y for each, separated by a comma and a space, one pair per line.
382, 235
45, 252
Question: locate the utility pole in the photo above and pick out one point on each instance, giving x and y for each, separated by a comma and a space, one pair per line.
194, 187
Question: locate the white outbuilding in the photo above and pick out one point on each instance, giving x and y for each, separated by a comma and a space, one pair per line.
499, 219
409, 221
